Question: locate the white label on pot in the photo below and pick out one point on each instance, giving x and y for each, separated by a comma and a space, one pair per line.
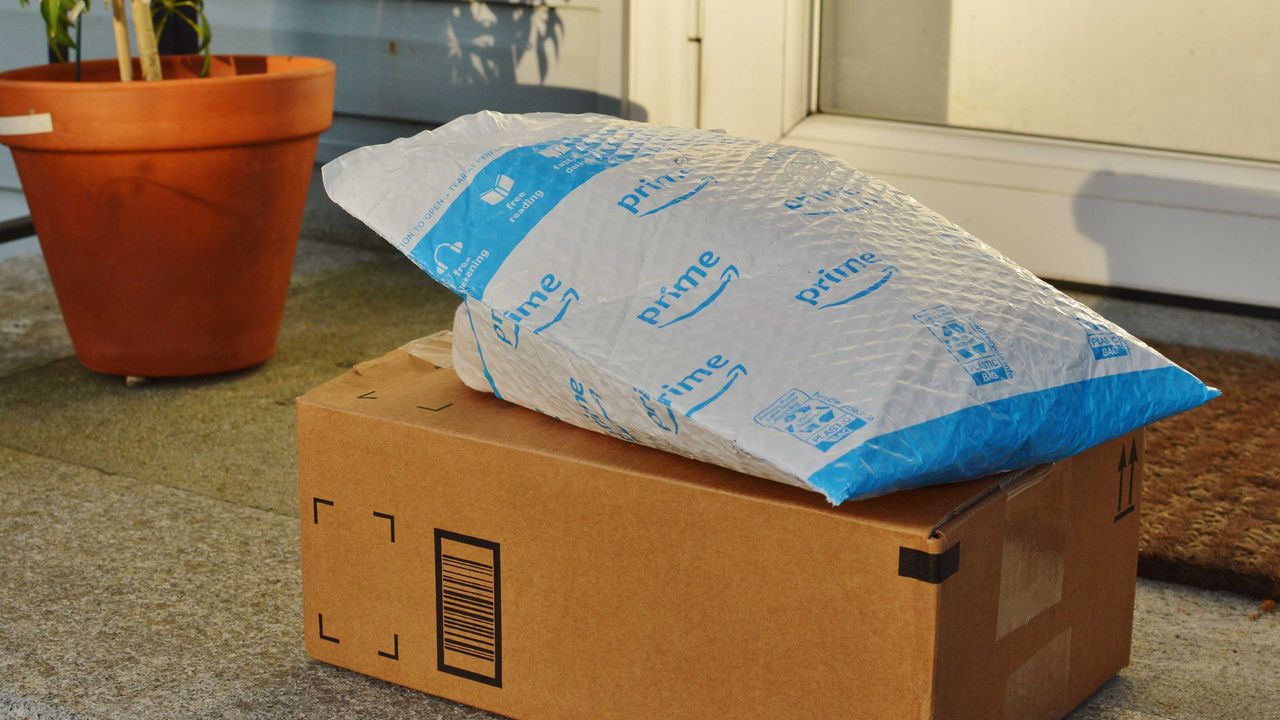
32, 124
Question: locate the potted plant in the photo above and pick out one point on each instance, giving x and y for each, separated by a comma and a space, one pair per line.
168, 208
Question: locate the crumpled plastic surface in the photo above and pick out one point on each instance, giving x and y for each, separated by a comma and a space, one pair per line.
763, 307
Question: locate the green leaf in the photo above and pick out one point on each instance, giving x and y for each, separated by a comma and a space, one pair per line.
57, 22
200, 24
188, 21
50, 10
207, 35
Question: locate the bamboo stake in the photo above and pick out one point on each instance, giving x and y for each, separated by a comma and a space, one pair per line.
123, 55
145, 32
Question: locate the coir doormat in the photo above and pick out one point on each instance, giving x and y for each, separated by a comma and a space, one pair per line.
1211, 514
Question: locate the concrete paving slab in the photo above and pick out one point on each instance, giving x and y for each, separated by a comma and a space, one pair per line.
127, 599
20, 708
31, 327
1197, 655
316, 691
317, 260
230, 436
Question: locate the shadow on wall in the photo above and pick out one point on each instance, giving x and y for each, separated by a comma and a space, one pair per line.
477, 56
1179, 236
430, 62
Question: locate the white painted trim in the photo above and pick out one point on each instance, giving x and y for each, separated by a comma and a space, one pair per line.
814, 42
798, 65
755, 66
1145, 219
663, 56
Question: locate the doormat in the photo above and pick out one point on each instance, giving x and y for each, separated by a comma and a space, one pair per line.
1211, 504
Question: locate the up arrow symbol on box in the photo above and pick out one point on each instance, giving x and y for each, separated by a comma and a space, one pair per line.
1130, 463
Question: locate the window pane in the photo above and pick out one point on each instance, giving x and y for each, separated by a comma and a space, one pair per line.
1189, 75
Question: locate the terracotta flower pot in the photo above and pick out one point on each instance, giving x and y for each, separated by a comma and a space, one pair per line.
168, 212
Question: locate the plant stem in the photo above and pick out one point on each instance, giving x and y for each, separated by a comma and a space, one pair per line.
78, 26
122, 40
144, 30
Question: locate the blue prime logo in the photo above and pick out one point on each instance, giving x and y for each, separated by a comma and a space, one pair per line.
664, 191
592, 406
661, 415
546, 306
690, 293
835, 201
704, 385
853, 279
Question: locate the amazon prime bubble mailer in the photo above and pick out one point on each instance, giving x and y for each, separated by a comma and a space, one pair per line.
762, 307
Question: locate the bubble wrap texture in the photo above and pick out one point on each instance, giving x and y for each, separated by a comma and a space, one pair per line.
766, 308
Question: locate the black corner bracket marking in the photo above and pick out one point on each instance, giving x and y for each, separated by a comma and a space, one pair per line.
333, 640
926, 566
435, 409
368, 396
395, 652
316, 502
390, 517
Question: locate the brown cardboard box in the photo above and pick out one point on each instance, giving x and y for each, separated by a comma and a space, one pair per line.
472, 549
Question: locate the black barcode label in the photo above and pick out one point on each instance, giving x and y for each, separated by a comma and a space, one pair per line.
468, 607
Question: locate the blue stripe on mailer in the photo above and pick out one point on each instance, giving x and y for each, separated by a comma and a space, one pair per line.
1011, 434
483, 365
504, 202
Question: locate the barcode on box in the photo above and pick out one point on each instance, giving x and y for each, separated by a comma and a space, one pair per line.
468, 607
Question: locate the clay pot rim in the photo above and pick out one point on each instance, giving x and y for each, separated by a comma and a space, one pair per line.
300, 66
250, 99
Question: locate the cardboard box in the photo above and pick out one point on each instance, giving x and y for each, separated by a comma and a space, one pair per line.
475, 550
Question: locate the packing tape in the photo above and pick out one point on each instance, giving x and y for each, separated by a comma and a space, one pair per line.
1038, 687
33, 124
1032, 560
926, 566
